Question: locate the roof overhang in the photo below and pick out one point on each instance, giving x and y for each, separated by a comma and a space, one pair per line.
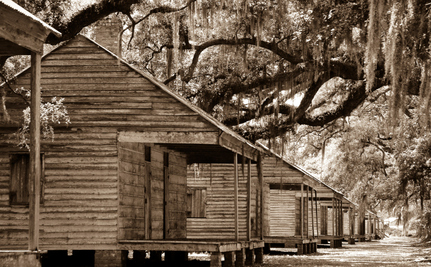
22, 29
199, 146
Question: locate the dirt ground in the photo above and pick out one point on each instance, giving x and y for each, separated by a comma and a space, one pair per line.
392, 251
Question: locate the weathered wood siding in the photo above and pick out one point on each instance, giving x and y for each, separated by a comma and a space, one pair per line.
284, 217
81, 187
219, 221
277, 171
282, 213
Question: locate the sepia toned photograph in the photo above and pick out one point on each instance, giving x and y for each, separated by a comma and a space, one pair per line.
215, 133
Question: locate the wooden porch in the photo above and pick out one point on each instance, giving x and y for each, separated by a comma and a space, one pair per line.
246, 252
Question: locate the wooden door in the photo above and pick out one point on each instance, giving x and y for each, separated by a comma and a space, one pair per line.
134, 220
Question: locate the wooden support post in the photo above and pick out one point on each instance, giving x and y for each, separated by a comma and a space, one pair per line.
300, 249
240, 258
249, 200
235, 186
34, 205
229, 259
260, 178
249, 260
216, 259
369, 226
259, 255
312, 213
317, 217
302, 211
333, 218
306, 212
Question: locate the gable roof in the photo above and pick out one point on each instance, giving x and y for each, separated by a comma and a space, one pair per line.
12, 5
274, 154
250, 149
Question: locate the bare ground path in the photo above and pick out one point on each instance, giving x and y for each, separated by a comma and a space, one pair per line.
392, 251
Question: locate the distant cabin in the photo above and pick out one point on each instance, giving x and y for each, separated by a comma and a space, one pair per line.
291, 205
115, 179
349, 220
330, 209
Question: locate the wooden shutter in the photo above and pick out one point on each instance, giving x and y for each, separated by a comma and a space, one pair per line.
196, 202
19, 183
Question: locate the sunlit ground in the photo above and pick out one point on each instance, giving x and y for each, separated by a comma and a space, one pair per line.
393, 251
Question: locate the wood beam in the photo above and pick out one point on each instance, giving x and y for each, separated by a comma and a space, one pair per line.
312, 213
302, 211
260, 182
206, 138
35, 171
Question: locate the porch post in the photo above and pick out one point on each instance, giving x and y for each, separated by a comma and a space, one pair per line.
312, 213
302, 211
262, 208
235, 163
34, 205
333, 217
317, 216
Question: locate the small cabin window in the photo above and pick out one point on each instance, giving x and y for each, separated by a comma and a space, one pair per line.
196, 202
147, 153
20, 179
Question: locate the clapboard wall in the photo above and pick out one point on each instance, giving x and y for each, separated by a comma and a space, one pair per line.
282, 213
81, 180
284, 218
219, 219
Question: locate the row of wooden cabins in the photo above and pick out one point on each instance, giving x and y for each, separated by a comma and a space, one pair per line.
142, 170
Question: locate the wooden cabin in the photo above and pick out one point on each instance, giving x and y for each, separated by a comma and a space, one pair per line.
291, 220
330, 208
115, 179
21, 33
349, 220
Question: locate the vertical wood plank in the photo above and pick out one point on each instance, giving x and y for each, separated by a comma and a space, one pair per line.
333, 217
34, 205
249, 199
312, 214
306, 212
317, 218
235, 164
302, 211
